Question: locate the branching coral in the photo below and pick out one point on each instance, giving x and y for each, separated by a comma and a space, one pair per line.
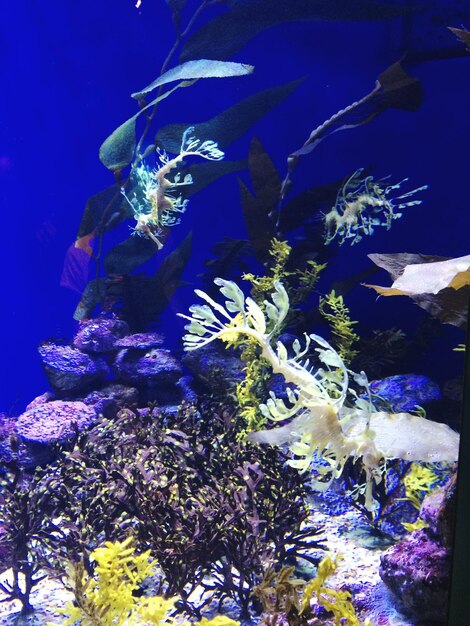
362, 204
161, 205
328, 422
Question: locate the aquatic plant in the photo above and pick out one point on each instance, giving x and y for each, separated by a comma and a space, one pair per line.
110, 596
337, 315
334, 601
324, 421
212, 510
419, 481
299, 283
363, 204
394, 88
25, 520
285, 597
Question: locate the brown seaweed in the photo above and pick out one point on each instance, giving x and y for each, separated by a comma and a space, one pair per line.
227, 33
394, 88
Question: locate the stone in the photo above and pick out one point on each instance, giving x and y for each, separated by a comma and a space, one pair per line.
110, 399
217, 368
53, 422
404, 392
417, 570
68, 370
438, 511
147, 367
141, 341
99, 335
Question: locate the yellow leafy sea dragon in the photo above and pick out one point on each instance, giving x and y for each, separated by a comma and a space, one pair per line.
324, 420
362, 204
157, 205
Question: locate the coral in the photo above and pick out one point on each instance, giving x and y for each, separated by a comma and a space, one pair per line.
328, 423
154, 203
363, 204
336, 313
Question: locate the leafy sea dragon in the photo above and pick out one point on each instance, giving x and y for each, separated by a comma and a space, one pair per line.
324, 421
161, 205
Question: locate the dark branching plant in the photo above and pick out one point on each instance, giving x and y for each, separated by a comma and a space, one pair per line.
25, 523
204, 503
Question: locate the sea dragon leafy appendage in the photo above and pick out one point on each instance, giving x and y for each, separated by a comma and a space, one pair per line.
324, 421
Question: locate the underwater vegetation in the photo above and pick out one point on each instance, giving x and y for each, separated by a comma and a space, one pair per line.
156, 498
109, 597
323, 427
284, 595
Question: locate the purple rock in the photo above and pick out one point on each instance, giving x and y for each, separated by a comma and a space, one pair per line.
99, 335
141, 341
110, 399
417, 570
185, 383
12, 448
147, 368
42, 399
53, 421
438, 511
219, 369
405, 391
68, 370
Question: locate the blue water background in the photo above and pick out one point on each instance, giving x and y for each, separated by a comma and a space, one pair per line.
67, 70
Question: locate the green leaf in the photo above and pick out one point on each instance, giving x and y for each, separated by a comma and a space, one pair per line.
91, 297
102, 211
168, 275
462, 34
117, 151
258, 209
394, 89
201, 68
224, 35
176, 5
203, 174
232, 123
229, 261
129, 255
